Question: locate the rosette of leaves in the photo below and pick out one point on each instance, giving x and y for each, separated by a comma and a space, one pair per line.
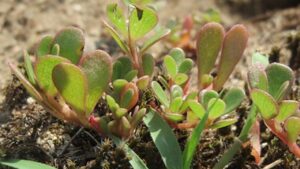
127, 32
270, 85
212, 41
65, 81
123, 69
184, 111
177, 69
125, 115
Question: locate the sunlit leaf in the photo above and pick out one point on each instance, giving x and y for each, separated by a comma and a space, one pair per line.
178, 55
197, 108
141, 21
286, 109
159, 34
258, 58
186, 66
43, 70
170, 65
181, 78
277, 75
233, 98
235, 42
44, 47
129, 96
216, 107
209, 43
116, 17
223, 123
71, 83
112, 104
175, 104
207, 95
160, 93
97, 67
257, 78
293, 128
265, 103
71, 43
116, 37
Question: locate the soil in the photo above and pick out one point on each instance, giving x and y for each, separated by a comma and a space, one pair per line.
27, 131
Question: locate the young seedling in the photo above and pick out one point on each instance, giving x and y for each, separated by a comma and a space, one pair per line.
270, 87
212, 41
269, 84
142, 20
184, 111
121, 101
65, 81
177, 69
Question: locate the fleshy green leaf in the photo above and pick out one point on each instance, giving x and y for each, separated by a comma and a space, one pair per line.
293, 128
176, 91
131, 75
178, 55
160, 93
43, 71
265, 103
116, 37
44, 47
277, 75
186, 66
141, 21
119, 84
164, 139
148, 64
176, 104
116, 17
216, 107
120, 112
71, 83
121, 67
55, 50
143, 82
223, 123
286, 109
181, 78
126, 99
197, 108
25, 164
29, 68
258, 78
258, 58
207, 95
71, 43
209, 43
159, 34
112, 104
170, 66
185, 104
137, 117
175, 117
97, 67
233, 98
129, 96
235, 42
28, 86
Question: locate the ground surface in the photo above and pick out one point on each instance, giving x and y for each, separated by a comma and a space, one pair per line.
30, 132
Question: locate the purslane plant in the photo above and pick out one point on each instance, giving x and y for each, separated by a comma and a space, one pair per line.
65, 81
142, 19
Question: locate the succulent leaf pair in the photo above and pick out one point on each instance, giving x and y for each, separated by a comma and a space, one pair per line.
271, 83
212, 41
63, 79
184, 111
142, 20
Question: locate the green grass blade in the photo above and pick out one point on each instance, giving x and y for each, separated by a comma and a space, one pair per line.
136, 162
25, 164
29, 68
165, 140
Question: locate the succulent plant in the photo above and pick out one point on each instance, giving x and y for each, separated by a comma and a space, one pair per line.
270, 85
65, 81
185, 111
142, 20
212, 41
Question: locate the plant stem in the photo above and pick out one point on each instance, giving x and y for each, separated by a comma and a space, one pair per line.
237, 144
